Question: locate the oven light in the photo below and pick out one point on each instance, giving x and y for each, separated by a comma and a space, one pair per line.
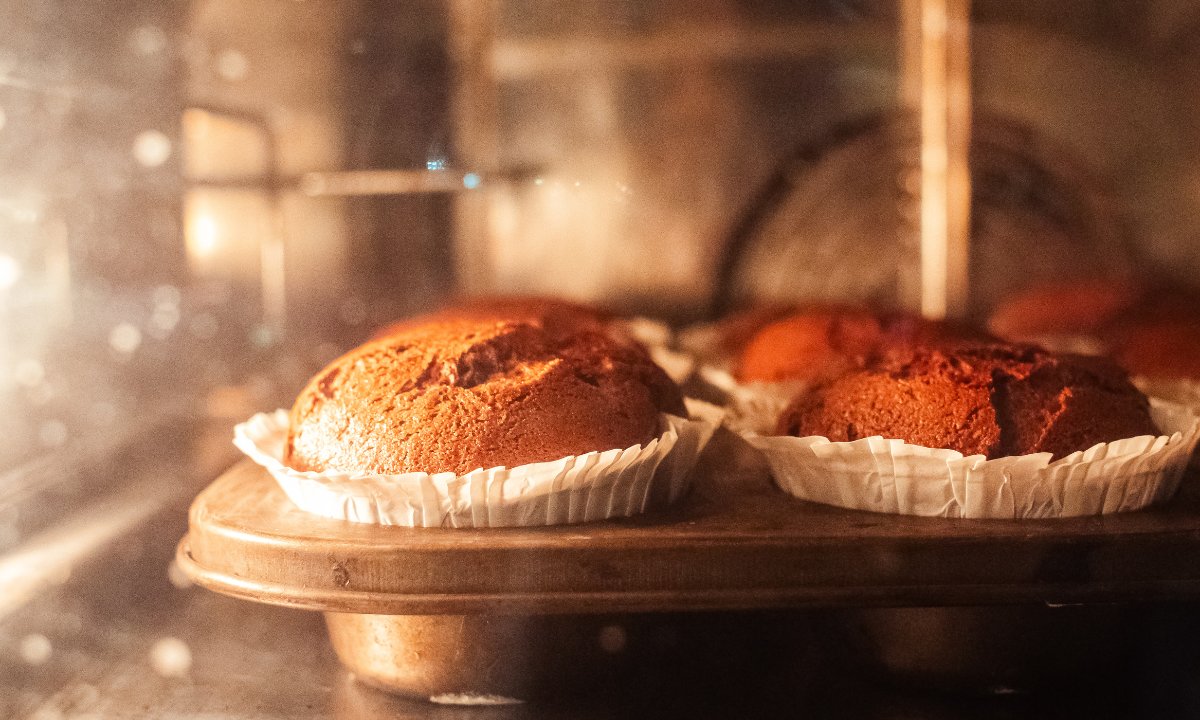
171, 657
202, 240
151, 148
125, 338
10, 271
35, 649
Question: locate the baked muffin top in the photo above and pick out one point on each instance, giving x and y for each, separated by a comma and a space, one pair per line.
991, 399
458, 396
816, 343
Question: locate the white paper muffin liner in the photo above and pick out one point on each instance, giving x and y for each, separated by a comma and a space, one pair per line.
891, 476
595, 486
752, 407
1180, 391
657, 337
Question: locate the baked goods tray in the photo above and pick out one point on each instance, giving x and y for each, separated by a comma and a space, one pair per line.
735, 542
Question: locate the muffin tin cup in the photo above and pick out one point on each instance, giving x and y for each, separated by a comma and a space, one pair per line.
454, 659
595, 486
891, 476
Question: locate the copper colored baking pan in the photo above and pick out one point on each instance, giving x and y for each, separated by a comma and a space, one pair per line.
736, 542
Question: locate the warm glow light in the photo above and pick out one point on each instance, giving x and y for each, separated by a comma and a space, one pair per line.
125, 338
171, 657
202, 240
218, 147
151, 148
35, 649
10, 271
227, 232
936, 85
232, 65
47, 558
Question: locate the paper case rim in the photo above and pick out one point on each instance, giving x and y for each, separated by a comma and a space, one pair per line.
891, 476
595, 486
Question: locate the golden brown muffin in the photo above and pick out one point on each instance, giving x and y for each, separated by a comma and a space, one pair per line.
811, 345
458, 396
817, 343
984, 399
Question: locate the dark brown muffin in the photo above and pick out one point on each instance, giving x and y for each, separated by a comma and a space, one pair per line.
458, 396
1066, 307
1160, 336
979, 399
1151, 330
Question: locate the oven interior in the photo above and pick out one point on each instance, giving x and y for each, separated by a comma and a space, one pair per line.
203, 202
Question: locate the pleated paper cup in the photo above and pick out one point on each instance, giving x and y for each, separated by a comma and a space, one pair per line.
658, 339
1180, 391
752, 407
891, 476
595, 486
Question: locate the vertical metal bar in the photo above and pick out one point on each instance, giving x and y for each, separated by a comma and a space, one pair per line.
272, 246
958, 147
936, 49
475, 112
906, 138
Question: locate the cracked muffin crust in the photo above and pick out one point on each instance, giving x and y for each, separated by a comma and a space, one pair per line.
459, 396
988, 399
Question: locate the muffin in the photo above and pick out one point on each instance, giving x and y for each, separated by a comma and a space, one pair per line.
1152, 331
1159, 336
1067, 307
813, 344
981, 430
557, 316
457, 396
995, 400
818, 343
